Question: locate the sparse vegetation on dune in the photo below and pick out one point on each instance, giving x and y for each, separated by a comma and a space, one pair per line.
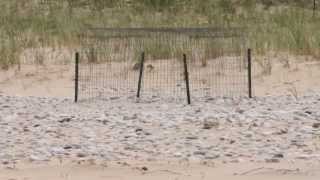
273, 26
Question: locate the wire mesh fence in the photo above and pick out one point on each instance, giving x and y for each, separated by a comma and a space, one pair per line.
111, 63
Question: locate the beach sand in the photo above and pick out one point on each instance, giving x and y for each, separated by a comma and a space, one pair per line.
57, 81
159, 171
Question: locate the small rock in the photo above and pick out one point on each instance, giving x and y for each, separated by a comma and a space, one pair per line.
105, 122
279, 155
114, 98
209, 99
147, 133
308, 112
81, 155
191, 137
303, 157
201, 153
67, 147
249, 135
57, 150
67, 119
210, 124
25, 129
316, 125
240, 111
125, 118
210, 157
144, 168
282, 131
273, 160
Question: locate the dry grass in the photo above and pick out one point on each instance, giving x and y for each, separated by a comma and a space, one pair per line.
282, 27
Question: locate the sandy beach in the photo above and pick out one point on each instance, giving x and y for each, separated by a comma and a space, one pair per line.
46, 135
158, 171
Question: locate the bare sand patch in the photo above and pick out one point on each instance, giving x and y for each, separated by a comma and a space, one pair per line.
159, 171
58, 80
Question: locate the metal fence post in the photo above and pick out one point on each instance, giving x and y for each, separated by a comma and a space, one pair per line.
186, 75
140, 74
249, 73
76, 85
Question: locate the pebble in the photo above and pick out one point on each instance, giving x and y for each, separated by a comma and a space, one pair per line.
81, 155
201, 153
272, 160
219, 129
316, 125
278, 156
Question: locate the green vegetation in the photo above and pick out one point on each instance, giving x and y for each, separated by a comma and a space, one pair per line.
273, 25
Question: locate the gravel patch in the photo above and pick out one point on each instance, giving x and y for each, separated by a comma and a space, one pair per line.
269, 129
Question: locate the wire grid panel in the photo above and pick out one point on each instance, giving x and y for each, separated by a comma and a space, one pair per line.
110, 63
105, 74
164, 79
219, 69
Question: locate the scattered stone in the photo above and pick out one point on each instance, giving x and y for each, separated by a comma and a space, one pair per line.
112, 130
282, 131
201, 153
105, 122
114, 98
144, 168
147, 133
308, 112
126, 118
67, 147
316, 125
64, 120
81, 155
210, 157
273, 160
209, 125
279, 155
26, 129
240, 111
192, 138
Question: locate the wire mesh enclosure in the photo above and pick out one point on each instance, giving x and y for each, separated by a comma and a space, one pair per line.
115, 61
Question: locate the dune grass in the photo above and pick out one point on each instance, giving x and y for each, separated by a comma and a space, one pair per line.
285, 26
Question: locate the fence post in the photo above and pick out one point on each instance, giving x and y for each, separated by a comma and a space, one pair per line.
76, 85
140, 74
186, 75
249, 73
314, 8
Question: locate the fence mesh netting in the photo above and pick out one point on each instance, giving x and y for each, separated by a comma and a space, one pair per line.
110, 62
